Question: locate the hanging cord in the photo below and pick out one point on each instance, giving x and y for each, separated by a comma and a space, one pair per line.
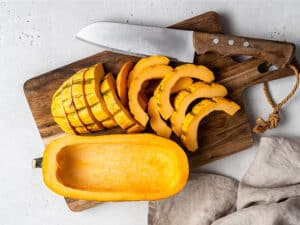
274, 118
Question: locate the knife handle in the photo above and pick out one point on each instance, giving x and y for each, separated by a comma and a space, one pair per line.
275, 52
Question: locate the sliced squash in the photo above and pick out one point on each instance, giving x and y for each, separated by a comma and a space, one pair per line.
80, 103
144, 63
123, 167
163, 91
189, 135
70, 110
121, 82
93, 77
157, 123
151, 72
114, 105
182, 84
59, 114
185, 97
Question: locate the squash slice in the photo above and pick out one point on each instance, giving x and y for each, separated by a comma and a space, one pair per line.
144, 63
121, 82
189, 136
157, 123
184, 98
59, 114
69, 107
151, 72
124, 167
163, 91
114, 105
182, 84
84, 112
93, 77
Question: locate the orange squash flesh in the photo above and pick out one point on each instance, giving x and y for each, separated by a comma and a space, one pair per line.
184, 98
121, 82
189, 135
163, 91
182, 84
149, 73
115, 167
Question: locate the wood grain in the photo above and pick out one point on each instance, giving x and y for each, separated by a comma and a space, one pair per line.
219, 135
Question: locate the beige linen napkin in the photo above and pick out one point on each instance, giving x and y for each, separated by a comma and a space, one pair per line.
268, 194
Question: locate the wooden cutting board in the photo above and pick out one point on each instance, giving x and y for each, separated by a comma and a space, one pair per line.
219, 135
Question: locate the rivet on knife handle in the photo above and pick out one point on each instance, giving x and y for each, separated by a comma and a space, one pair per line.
277, 53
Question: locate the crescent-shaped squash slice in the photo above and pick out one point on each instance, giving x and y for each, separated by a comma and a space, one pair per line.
144, 63
121, 82
184, 98
70, 110
80, 103
119, 167
93, 76
114, 105
189, 135
157, 123
149, 73
59, 114
163, 91
182, 84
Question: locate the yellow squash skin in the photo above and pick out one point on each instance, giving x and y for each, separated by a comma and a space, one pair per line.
93, 77
185, 97
125, 167
59, 114
163, 91
121, 82
157, 123
189, 135
81, 106
114, 105
149, 73
146, 62
69, 107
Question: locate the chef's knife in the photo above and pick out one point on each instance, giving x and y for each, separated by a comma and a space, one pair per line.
181, 44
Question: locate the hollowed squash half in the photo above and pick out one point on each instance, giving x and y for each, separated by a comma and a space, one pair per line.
149, 73
114, 105
93, 77
115, 167
163, 91
185, 97
189, 135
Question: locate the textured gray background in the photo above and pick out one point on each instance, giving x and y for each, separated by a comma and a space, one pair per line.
37, 36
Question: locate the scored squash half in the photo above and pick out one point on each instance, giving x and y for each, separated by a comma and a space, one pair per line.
184, 98
114, 105
144, 63
93, 77
115, 167
80, 103
121, 82
59, 114
159, 126
149, 73
189, 135
163, 91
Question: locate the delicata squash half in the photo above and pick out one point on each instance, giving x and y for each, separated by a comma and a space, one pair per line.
189, 135
163, 91
122, 167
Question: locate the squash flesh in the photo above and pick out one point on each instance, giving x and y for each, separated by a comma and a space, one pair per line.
92, 77
115, 167
189, 135
149, 73
163, 91
121, 82
187, 96
114, 105
182, 84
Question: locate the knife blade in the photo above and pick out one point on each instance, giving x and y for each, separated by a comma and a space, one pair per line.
181, 44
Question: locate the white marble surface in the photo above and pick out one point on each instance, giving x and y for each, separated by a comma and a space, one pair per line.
37, 36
